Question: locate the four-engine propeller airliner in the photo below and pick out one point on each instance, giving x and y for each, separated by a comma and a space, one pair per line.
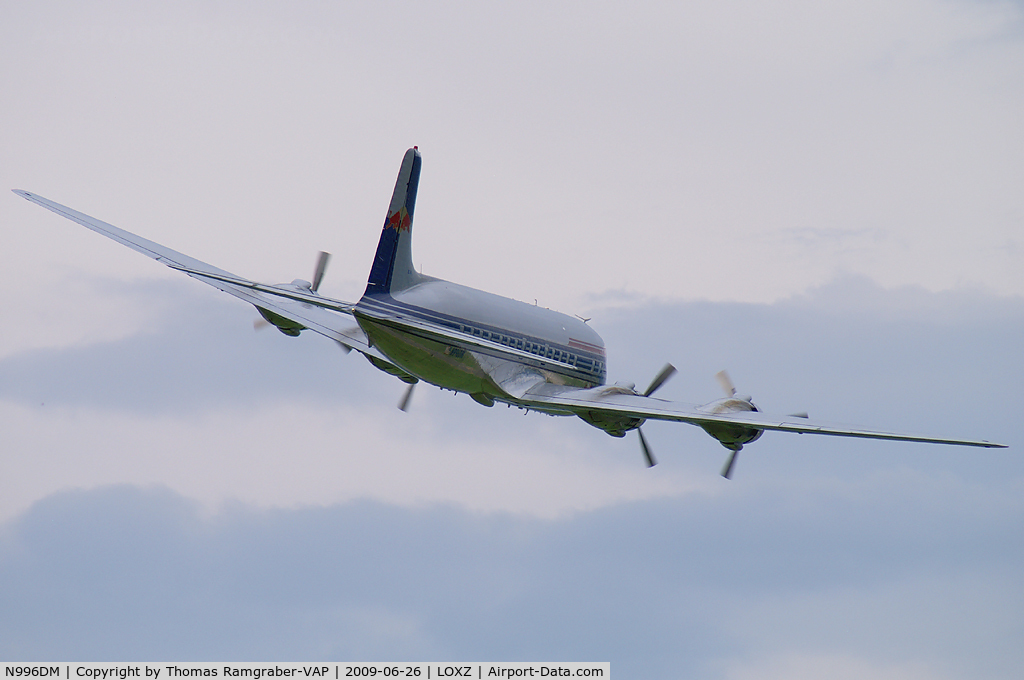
494, 349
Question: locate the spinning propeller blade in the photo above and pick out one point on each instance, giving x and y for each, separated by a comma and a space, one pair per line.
666, 372
646, 449
727, 470
404, 404
321, 266
726, 383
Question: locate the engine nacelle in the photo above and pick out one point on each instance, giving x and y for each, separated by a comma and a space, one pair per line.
391, 369
286, 326
616, 426
730, 435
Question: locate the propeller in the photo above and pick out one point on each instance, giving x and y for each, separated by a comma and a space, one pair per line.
726, 383
318, 275
404, 404
730, 391
667, 371
646, 449
321, 266
727, 470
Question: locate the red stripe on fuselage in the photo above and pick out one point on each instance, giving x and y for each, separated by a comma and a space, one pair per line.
579, 344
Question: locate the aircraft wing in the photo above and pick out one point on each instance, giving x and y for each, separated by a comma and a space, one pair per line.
317, 313
611, 401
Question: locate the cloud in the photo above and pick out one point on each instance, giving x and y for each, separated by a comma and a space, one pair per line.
697, 585
683, 151
197, 350
273, 513
801, 667
281, 421
201, 403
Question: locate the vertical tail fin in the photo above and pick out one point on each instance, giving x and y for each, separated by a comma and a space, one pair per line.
392, 268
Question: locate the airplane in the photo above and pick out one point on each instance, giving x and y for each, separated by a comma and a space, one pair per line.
495, 349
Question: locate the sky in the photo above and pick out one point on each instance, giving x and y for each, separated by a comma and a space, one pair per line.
822, 199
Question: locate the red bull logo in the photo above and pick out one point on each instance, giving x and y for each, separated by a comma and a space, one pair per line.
399, 220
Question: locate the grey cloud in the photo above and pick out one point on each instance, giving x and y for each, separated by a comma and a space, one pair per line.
657, 588
906, 359
845, 335
202, 351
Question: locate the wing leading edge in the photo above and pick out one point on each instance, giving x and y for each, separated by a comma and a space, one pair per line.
612, 403
315, 312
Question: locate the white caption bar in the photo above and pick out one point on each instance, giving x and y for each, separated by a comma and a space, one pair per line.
302, 671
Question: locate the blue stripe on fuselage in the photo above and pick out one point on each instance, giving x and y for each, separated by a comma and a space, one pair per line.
588, 366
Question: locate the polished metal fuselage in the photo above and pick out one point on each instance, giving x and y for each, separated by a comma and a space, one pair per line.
466, 340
